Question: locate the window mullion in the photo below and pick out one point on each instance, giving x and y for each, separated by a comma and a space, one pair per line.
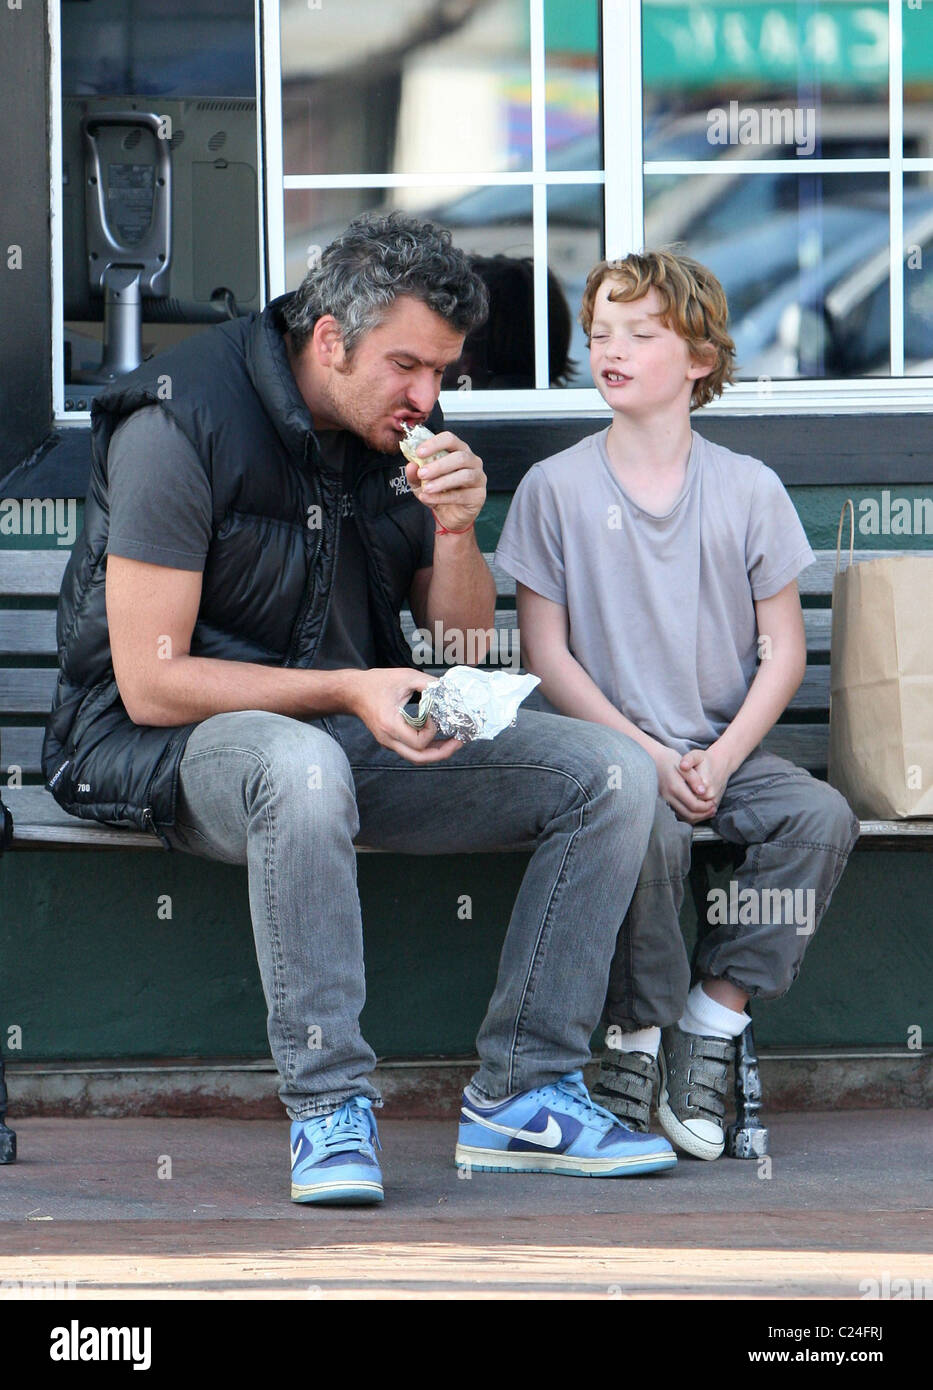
896, 183
269, 79
539, 193
622, 126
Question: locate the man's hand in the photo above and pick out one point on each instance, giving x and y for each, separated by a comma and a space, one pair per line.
453, 487
376, 696
706, 771
677, 791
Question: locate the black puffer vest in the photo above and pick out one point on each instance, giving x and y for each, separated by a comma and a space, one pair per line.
269, 569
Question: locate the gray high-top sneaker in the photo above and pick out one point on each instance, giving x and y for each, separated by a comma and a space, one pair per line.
694, 1081
625, 1086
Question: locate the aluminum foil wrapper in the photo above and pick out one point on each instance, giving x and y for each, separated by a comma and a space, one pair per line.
414, 437
468, 704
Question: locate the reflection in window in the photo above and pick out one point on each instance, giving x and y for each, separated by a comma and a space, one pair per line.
490, 224
500, 355
427, 95
918, 296
917, 45
418, 86
775, 80
790, 276
160, 179
572, 59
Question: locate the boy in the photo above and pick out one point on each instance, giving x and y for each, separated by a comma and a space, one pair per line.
656, 581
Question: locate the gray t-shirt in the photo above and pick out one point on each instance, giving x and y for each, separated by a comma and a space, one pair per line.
661, 608
161, 512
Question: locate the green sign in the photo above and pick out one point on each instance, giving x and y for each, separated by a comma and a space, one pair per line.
841, 42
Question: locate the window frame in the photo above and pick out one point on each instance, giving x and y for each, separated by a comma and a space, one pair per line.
622, 179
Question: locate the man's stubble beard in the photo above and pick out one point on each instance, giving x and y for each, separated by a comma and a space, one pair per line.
348, 407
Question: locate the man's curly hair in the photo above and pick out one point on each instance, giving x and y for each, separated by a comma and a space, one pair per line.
376, 261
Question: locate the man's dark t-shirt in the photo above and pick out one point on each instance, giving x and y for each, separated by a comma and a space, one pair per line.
161, 513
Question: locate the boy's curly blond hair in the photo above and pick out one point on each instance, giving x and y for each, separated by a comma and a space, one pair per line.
693, 306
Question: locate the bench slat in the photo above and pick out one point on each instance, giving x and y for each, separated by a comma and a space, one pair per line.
806, 745
28, 633
21, 748
39, 572
32, 573
818, 625
39, 819
817, 579
27, 692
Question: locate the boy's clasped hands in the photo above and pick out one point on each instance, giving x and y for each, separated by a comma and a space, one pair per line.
692, 785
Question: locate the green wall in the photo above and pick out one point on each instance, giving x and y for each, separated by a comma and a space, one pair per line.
90, 970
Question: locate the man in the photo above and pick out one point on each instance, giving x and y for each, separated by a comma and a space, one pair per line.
232, 675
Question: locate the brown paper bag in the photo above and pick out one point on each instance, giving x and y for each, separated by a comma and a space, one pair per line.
881, 684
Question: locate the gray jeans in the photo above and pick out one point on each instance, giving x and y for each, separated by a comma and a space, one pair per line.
289, 797
797, 834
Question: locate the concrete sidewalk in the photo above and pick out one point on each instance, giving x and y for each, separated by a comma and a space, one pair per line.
173, 1208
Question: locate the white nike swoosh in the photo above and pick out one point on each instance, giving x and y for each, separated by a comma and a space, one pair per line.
548, 1138
295, 1151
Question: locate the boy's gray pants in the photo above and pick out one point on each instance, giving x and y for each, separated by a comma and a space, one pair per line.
797, 833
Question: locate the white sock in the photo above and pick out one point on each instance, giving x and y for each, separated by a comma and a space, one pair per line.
644, 1040
709, 1018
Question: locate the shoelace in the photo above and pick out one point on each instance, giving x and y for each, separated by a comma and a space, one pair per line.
579, 1101
353, 1122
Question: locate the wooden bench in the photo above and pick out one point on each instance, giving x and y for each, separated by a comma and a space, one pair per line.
28, 672
27, 637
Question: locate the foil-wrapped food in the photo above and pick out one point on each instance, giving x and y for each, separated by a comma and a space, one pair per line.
413, 437
468, 704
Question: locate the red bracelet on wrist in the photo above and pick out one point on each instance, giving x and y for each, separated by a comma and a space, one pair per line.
443, 531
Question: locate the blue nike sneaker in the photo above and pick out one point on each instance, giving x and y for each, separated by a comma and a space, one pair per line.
556, 1129
333, 1156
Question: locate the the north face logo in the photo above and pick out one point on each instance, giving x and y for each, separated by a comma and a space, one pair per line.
401, 483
